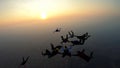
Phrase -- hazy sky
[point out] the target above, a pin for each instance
(24, 33)
(13, 10)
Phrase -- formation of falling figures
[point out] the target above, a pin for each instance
(66, 50)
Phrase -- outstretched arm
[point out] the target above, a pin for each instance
(69, 33)
(72, 32)
(52, 46)
(62, 37)
(27, 58)
(23, 59)
(67, 36)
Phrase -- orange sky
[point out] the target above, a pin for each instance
(15, 11)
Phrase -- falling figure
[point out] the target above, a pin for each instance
(24, 61)
(64, 40)
(76, 42)
(83, 38)
(66, 51)
(55, 51)
(83, 55)
(55, 48)
(58, 30)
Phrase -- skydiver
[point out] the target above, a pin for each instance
(83, 38)
(64, 40)
(55, 48)
(58, 30)
(76, 42)
(24, 61)
(55, 51)
(66, 51)
(83, 55)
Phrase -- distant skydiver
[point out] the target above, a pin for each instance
(24, 61)
(83, 55)
(58, 30)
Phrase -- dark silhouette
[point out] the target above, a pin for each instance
(50, 54)
(71, 34)
(24, 61)
(76, 42)
(55, 48)
(83, 55)
(64, 40)
(66, 52)
(58, 30)
(55, 51)
(83, 38)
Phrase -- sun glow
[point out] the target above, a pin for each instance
(43, 15)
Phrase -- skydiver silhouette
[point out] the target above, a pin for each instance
(84, 56)
(64, 40)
